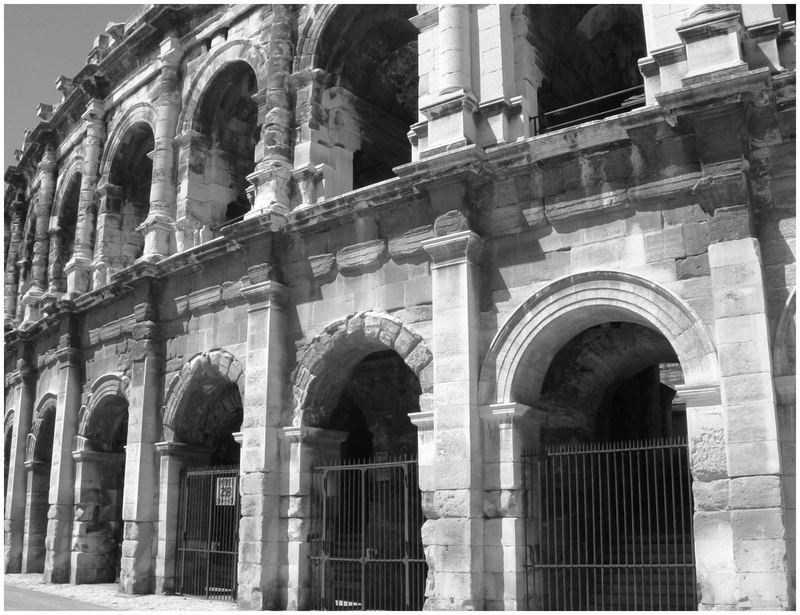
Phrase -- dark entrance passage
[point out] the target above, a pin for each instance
(208, 533)
(366, 547)
(609, 527)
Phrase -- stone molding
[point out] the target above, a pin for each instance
(98, 457)
(238, 436)
(506, 413)
(455, 249)
(39, 467)
(294, 434)
(360, 257)
(69, 357)
(181, 450)
(423, 421)
(700, 395)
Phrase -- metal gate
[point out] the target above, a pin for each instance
(609, 527)
(366, 545)
(208, 533)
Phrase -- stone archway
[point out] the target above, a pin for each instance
(38, 454)
(333, 377)
(321, 370)
(100, 480)
(516, 368)
(567, 306)
(202, 417)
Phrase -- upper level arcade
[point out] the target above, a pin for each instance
(266, 113)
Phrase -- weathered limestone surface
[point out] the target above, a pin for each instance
(304, 231)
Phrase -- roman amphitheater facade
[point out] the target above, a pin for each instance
(305, 305)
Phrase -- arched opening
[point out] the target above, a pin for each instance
(129, 180)
(204, 411)
(369, 55)
(588, 52)
(368, 510)
(65, 233)
(223, 156)
(610, 483)
(100, 477)
(38, 455)
(9, 436)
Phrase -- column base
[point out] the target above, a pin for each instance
(137, 568)
(58, 544)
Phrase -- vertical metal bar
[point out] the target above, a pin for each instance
(585, 605)
(683, 511)
(634, 533)
(562, 559)
(658, 533)
(362, 477)
(542, 510)
(592, 481)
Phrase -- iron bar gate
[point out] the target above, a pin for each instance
(609, 527)
(208, 533)
(366, 545)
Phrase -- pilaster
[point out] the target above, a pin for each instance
(24, 382)
(94, 543)
(259, 536)
(18, 208)
(453, 535)
(175, 457)
(59, 526)
(301, 449)
(507, 430)
(142, 496)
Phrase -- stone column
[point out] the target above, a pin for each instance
(192, 149)
(108, 244)
(175, 458)
(36, 511)
(94, 544)
(55, 267)
(78, 268)
(274, 151)
(47, 188)
(23, 379)
(141, 500)
(505, 437)
(301, 449)
(712, 522)
(453, 539)
(454, 48)
(259, 534)
(158, 226)
(749, 414)
(59, 525)
(18, 208)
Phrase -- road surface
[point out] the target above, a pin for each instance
(18, 599)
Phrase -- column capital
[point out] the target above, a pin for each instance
(423, 421)
(68, 356)
(312, 435)
(699, 395)
(454, 249)
(507, 413)
(98, 456)
(265, 294)
(95, 111)
(187, 452)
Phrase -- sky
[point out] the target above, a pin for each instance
(41, 42)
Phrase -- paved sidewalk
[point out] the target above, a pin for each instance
(106, 595)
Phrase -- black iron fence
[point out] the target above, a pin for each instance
(609, 527)
(588, 110)
(366, 546)
(208, 533)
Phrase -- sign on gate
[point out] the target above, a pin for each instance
(208, 533)
(226, 491)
